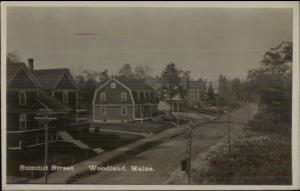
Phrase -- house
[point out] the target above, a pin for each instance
(60, 84)
(124, 100)
(197, 92)
(25, 99)
(177, 103)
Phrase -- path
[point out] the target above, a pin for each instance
(165, 158)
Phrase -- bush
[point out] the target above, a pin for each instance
(258, 160)
(263, 121)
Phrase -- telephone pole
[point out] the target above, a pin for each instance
(228, 130)
(45, 119)
(190, 157)
(189, 149)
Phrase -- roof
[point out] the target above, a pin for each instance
(43, 100)
(176, 97)
(197, 85)
(135, 84)
(49, 78)
(14, 68)
(52, 103)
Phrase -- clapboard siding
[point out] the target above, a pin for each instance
(113, 113)
(113, 96)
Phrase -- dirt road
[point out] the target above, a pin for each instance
(165, 158)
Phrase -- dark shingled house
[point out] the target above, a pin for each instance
(60, 84)
(25, 99)
(124, 100)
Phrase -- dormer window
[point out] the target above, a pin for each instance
(65, 97)
(123, 96)
(112, 85)
(22, 97)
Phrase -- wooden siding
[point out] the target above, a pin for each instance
(58, 94)
(13, 99)
(113, 113)
(113, 96)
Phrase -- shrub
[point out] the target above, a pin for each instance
(258, 160)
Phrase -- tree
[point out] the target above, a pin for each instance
(211, 94)
(88, 82)
(272, 84)
(126, 72)
(236, 88)
(142, 72)
(223, 86)
(13, 58)
(170, 83)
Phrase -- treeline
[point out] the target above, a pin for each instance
(271, 84)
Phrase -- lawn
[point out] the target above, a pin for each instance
(106, 141)
(145, 127)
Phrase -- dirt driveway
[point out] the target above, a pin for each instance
(165, 158)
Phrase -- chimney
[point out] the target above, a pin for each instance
(30, 64)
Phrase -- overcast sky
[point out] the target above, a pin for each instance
(208, 42)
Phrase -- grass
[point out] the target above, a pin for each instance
(106, 141)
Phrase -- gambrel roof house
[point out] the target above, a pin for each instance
(124, 100)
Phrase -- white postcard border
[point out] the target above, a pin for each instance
(232, 4)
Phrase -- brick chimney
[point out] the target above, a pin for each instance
(30, 64)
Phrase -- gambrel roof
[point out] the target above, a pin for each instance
(135, 84)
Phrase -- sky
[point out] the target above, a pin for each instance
(206, 41)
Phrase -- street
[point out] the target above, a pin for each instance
(166, 158)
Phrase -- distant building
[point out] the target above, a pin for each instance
(25, 98)
(197, 93)
(124, 100)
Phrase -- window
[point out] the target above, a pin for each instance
(102, 97)
(22, 97)
(123, 96)
(112, 85)
(103, 111)
(123, 111)
(65, 97)
(22, 121)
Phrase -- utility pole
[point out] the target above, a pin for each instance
(228, 130)
(45, 119)
(248, 103)
(248, 110)
(190, 157)
(190, 133)
(177, 114)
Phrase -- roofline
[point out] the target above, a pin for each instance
(31, 76)
(72, 80)
(126, 88)
(112, 79)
